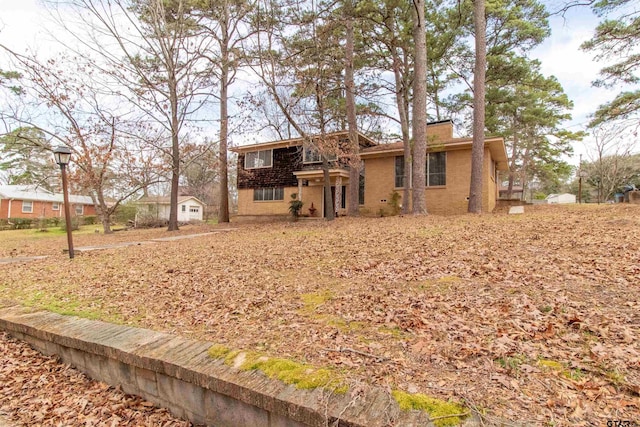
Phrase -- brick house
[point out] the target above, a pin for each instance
(269, 173)
(24, 201)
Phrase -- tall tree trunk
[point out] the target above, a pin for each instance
(512, 160)
(354, 147)
(175, 156)
(223, 210)
(477, 150)
(419, 108)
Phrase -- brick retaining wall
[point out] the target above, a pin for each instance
(176, 373)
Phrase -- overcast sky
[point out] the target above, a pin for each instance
(22, 25)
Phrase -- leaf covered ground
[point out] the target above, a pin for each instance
(531, 318)
(37, 390)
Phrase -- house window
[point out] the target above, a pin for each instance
(399, 172)
(184, 208)
(27, 206)
(312, 155)
(436, 169)
(258, 159)
(266, 194)
(435, 172)
(79, 209)
(55, 206)
(194, 209)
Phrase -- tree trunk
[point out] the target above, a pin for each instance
(477, 150)
(175, 157)
(353, 199)
(419, 108)
(223, 209)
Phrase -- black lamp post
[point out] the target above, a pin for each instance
(63, 156)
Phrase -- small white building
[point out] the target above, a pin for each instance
(190, 208)
(563, 198)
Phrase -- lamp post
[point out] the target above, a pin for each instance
(62, 156)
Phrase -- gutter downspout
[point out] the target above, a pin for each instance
(9, 211)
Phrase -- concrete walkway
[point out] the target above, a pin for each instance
(117, 245)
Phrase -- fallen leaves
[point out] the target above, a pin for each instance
(36, 390)
(462, 307)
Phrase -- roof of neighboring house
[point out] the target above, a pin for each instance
(165, 200)
(551, 196)
(37, 194)
(495, 145)
(364, 140)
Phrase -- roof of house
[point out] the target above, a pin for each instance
(495, 145)
(165, 200)
(38, 194)
(364, 141)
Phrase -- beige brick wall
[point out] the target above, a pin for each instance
(448, 200)
(311, 194)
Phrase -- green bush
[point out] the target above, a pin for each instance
(90, 220)
(22, 223)
(75, 224)
(125, 213)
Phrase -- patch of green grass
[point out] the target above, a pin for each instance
(551, 364)
(301, 375)
(615, 376)
(314, 300)
(511, 363)
(443, 413)
(395, 331)
(573, 374)
(67, 306)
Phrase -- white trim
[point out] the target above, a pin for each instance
(30, 206)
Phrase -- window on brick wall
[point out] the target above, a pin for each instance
(258, 159)
(55, 206)
(436, 170)
(79, 209)
(399, 172)
(27, 206)
(267, 194)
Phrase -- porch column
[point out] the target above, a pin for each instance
(300, 189)
(338, 201)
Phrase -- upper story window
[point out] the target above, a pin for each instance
(312, 155)
(27, 206)
(258, 159)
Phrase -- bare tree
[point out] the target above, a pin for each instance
(352, 124)
(226, 22)
(150, 48)
(77, 118)
(477, 148)
(419, 121)
(610, 167)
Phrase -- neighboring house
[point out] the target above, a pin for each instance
(269, 173)
(24, 201)
(158, 208)
(560, 198)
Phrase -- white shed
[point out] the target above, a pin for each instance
(190, 208)
(563, 198)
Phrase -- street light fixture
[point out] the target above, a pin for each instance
(62, 155)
